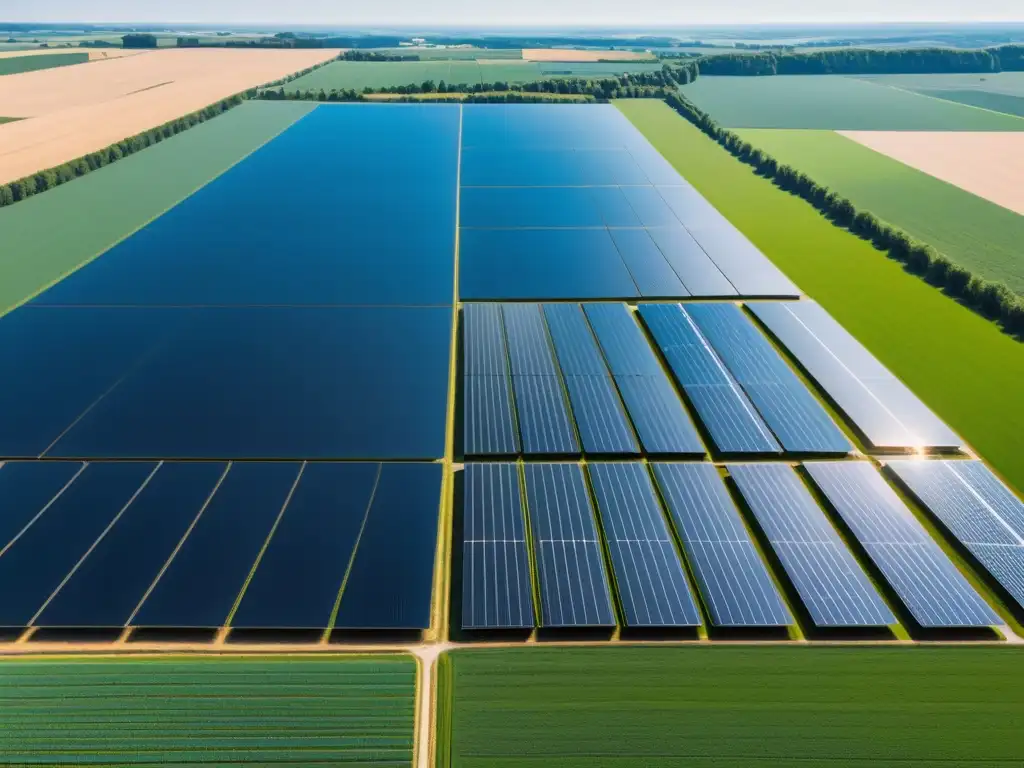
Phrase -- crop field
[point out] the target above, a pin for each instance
(735, 706)
(581, 55)
(19, 64)
(457, 54)
(989, 165)
(184, 711)
(997, 91)
(76, 110)
(916, 331)
(834, 103)
(106, 206)
(980, 235)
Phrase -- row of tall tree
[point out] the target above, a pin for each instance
(990, 298)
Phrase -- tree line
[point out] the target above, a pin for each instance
(987, 297)
(864, 61)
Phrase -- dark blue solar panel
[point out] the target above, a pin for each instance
(532, 264)
(829, 580)
(613, 207)
(206, 575)
(650, 207)
(483, 341)
(112, 580)
(651, 273)
(977, 509)
(212, 248)
(658, 415)
(878, 404)
(546, 126)
(697, 272)
(573, 582)
(489, 427)
(496, 591)
(26, 487)
(519, 167)
(655, 167)
(931, 587)
(298, 579)
(609, 166)
(495, 207)
(575, 346)
(599, 415)
(651, 583)
(624, 344)
(727, 413)
(735, 584)
(36, 563)
(392, 575)
(257, 383)
(544, 415)
(689, 205)
(790, 410)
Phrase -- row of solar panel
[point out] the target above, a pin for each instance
(734, 586)
(206, 544)
(595, 363)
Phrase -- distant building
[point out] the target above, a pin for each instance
(188, 42)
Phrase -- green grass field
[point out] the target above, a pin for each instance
(47, 236)
(16, 65)
(999, 102)
(175, 710)
(960, 364)
(834, 103)
(737, 706)
(1011, 83)
(455, 54)
(984, 237)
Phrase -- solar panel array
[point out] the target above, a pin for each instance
(878, 404)
(576, 204)
(276, 545)
(934, 592)
(980, 512)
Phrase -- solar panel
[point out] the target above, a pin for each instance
(920, 573)
(829, 580)
(35, 564)
(698, 273)
(573, 582)
(529, 348)
(496, 591)
(734, 582)
(879, 405)
(26, 487)
(612, 205)
(483, 335)
(514, 207)
(977, 509)
(489, 426)
(646, 264)
(114, 577)
(651, 583)
(299, 576)
(749, 271)
(787, 407)
(575, 346)
(392, 576)
(731, 419)
(625, 347)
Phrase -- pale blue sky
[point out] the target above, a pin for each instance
(510, 12)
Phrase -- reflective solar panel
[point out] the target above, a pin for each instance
(575, 346)
(734, 582)
(613, 207)
(787, 407)
(731, 419)
(624, 344)
(646, 264)
(829, 580)
(497, 207)
(483, 341)
(879, 405)
(652, 586)
(488, 425)
(977, 509)
(746, 268)
(544, 416)
(920, 573)
(496, 591)
(26, 487)
(696, 270)
(573, 581)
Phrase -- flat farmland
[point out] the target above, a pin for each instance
(660, 707)
(833, 102)
(989, 166)
(998, 91)
(178, 710)
(20, 64)
(77, 110)
(106, 206)
(960, 364)
(978, 234)
(579, 55)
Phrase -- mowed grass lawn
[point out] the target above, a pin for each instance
(46, 237)
(737, 706)
(960, 364)
(982, 236)
(834, 102)
(284, 710)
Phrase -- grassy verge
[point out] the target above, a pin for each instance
(960, 364)
(181, 710)
(737, 706)
(443, 689)
(107, 205)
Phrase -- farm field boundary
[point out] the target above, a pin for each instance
(709, 706)
(108, 205)
(975, 233)
(958, 362)
(14, 65)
